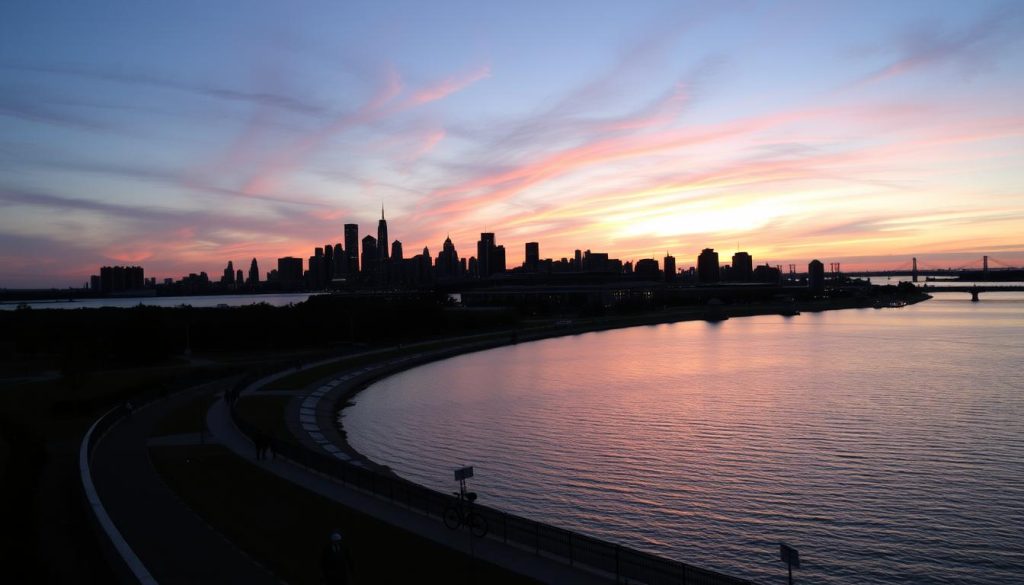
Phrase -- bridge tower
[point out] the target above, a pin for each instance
(984, 267)
(915, 270)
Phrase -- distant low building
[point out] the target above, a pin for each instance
(816, 276)
(117, 279)
(647, 269)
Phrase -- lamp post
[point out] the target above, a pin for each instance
(791, 557)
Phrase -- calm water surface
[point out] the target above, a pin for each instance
(277, 300)
(886, 445)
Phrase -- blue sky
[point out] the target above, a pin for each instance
(183, 135)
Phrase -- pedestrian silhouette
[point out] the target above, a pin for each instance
(335, 561)
(260, 441)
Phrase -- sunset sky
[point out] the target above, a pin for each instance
(180, 135)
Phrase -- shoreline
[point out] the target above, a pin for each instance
(344, 398)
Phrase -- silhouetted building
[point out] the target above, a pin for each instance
(351, 248)
(289, 271)
(328, 263)
(532, 256)
(670, 268)
(382, 237)
(490, 258)
(369, 259)
(768, 274)
(448, 264)
(498, 260)
(647, 269)
(254, 273)
(396, 251)
(742, 267)
(707, 266)
(316, 275)
(340, 264)
(425, 272)
(816, 276)
(596, 262)
(229, 274)
(239, 277)
(116, 279)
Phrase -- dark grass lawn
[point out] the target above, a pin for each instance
(303, 378)
(285, 526)
(187, 418)
(267, 413)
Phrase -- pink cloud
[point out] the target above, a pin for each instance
(380, 106)
(448, 86)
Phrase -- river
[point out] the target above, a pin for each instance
(887, 445)
(274, 299)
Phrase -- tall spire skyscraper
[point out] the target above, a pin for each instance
(382, 236)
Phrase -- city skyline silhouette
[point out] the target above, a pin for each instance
(788, 131)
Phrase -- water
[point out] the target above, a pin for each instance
(887, 445)
(928, 284)
(277, 300)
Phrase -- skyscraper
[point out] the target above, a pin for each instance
(254, 273)
(742, 267)
(369, 254)
(229, 274)
(707, 266)
(382, 237)
(289, 271)
(448, 265)
(328, 263)
(340, 263)
(352, 248)
(484, 251)
(532, 256)
(396, 251)
(670, 268)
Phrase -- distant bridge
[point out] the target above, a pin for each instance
(975, 290)
(977, 271)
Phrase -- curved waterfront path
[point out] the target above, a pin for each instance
(173, 542)
(177, 546)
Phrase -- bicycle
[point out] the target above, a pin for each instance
(461, 513)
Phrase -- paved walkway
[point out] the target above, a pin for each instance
(507, 556)
(174, 543)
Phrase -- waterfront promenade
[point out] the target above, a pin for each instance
(178, 545)
(305, 415)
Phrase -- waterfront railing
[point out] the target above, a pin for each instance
(622, 563)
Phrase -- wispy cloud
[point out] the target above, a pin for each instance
(384, 103)
(260, 98)
(448, 86)
(970, 46)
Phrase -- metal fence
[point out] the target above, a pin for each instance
(620, 562)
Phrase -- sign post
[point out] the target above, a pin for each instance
(791, 557)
